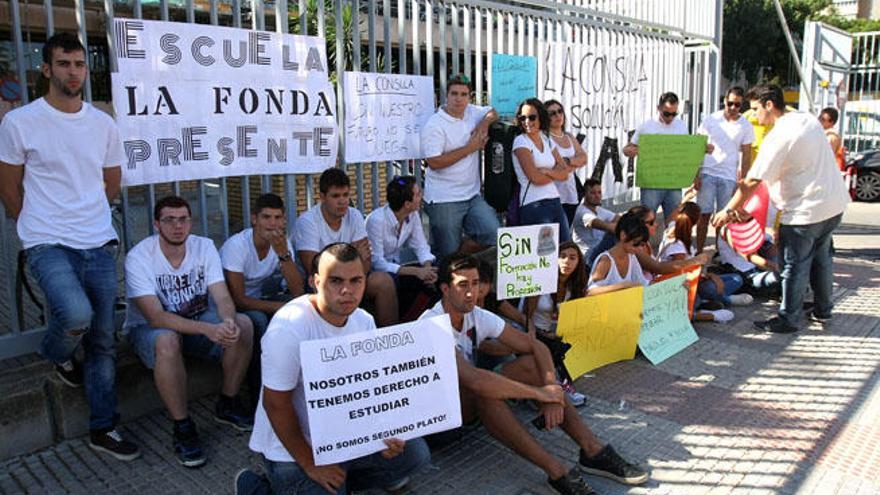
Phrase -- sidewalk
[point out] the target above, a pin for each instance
(737, 412)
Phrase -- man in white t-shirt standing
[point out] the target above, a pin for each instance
(59, 165)
(451, 140)
(332, 221)
(459, 281)
(281, 430)
(592, 222)
(664, 123)
(730, 134)
(179, 304)
(805, 185)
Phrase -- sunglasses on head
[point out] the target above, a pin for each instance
(669, 114)
(532, 117)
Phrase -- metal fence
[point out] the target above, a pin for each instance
(606, 60)
(861, 119)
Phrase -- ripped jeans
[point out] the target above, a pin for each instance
(80, 289)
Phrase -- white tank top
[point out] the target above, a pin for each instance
(567, 188)
(633, 274)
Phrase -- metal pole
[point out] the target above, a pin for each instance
(805, 82)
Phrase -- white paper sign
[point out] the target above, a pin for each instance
(194, 101)
(527, 260)
(394, 382)
(384, 115)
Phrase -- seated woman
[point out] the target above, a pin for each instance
(618, 268)
(543, 311)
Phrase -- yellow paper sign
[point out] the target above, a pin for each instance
(601, 329)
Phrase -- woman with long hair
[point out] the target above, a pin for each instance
(571, 152)
(618, 268)
(538, 165)
(543, 311)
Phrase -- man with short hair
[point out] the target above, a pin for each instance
(459, 283)
(664, 123)
(397, 226)
(730, 134)
(332, 221)
(798, 166)
(592, 223)
(451, 140)
(281, 431)
(59, 165)
(179, 304)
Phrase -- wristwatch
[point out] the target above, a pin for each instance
(284, 257)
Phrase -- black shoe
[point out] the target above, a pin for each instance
(775, 325)
(231, 411)
(71, 373)
(819, 319)
(187, 445)
(571, 484)
(609, 464)
(111, 442)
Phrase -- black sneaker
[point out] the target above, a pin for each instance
(609, 464)
(819, 319)
(231, 411)
(70, 372)
(775, 325)
(187, 445)
(111, 442)
(571, 484)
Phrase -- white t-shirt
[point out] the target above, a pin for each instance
(728, 138)
(296, 322)
(800, 171)
(582, 232)
(386, 242)
(182, 290)
(239, 255)
(670, 247)
(529, 193)
(477, 326)
(732, 258)
(64, 156)
(544, 318)
(654, 126)
(312, 232)
(567, 188)
(443, 133)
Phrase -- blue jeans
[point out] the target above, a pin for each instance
(668, 198)
(372, 471)
(714, 193)
(475, 217)
(546, 211)
(80, 290)
(707, 291)
(143, 340)
(806, 255)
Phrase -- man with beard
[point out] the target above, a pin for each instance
(179, 303)
(59, 167)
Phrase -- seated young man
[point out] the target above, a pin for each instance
(255, 262)
(332, 221)
(396, 226)
(459, 284)
(281, 430)
(178, 304)
(592, 223)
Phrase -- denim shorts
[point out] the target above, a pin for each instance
(142, 339)
(714, 193)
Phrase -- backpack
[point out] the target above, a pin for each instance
(499, 179)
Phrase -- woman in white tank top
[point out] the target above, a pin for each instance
(618, 268)
(571, 152)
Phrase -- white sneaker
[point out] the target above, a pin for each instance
(741, 300)
(722, 315)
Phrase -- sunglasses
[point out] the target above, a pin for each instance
(554, 113)
(732, 104)
(531, 117)
(669, 115)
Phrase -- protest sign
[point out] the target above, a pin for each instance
(514, 78)
(395, 382)
(601, 329)
(666, 327)
(693, 279)
(527, 261)
(669, 161)
(194, 101)
(384, 115)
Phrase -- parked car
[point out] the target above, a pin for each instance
(866, 170)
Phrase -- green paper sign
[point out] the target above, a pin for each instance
(669, 161)
(666, 328)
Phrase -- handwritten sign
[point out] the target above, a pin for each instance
(514, 78)
(527, 260)
(669, 161)
(384, 115)
(601, 329)
(194, 101)
(693, 279)
(666, 328)
(395, 382)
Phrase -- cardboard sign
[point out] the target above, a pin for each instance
(194, 101)
(395, 382)
(669, 161)
(602, 329)
(527, 260)
(693, 279)
(666, 328)
(514, 78)
(384, 115)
